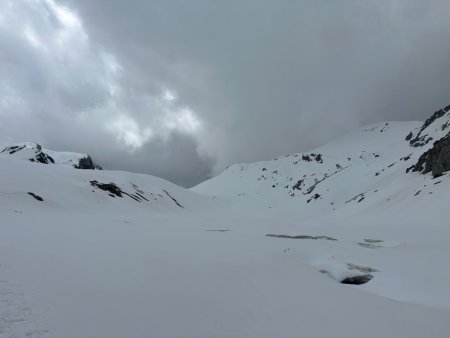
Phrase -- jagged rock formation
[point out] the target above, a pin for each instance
(422, 138)
(87, 163)
(436, 160)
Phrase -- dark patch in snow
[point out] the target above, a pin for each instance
(37, 197)
(357, 280)
(409, 136)
(114, 191)
(406, 158)
(109, 187)
(315, 197)
(13, 149)
(359, 198)
(302, 237)
(298, 185)
(317, 157)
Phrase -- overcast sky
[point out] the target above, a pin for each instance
(181, 89)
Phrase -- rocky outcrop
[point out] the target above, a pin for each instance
(422, 138)
(43, 158)
(111, 188)
(87, 163)
(436, 160)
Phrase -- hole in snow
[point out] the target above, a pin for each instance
(357, 280)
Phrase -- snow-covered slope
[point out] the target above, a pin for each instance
(33, 152)
(363, 188)
(90, 253)
(361, 170)
(337, 175)
(62, 188)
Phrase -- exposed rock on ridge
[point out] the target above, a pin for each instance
(436, 160)
(87, 163)
(34, 152)
(422, 138)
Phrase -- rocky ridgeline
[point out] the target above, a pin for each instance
(436, 159)
(35, 153)
(423, 137)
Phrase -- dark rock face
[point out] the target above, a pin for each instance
(422, 139)
(87, 163)
(42, 158)
(436, 160)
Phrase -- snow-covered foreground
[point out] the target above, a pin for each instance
(81, 257)
(118, 269)
(125, 275)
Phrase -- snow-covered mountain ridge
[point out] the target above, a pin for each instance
(61, 188)
(34, 152)
(371, 165)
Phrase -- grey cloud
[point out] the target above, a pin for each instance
(284, 67)
(62, 89)
(175, 159)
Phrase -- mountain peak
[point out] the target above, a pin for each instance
(34, 152)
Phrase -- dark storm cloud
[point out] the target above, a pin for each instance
(165, 86)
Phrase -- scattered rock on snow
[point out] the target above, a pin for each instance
(113, 189)
(37, 197)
